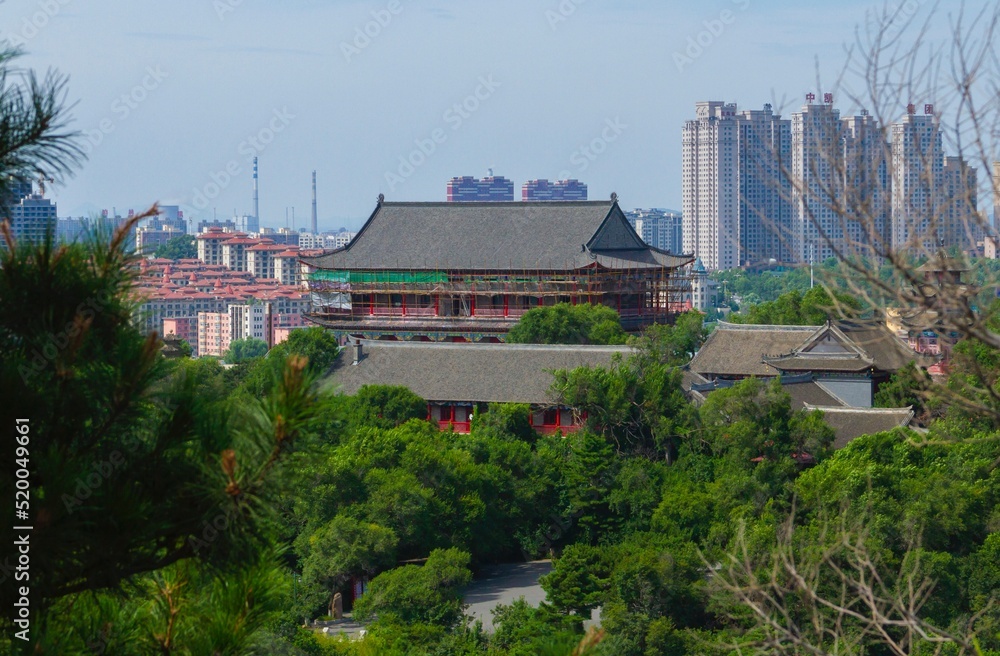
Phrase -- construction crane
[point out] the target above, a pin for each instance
(41, 184)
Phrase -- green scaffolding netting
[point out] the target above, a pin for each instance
(391, 277)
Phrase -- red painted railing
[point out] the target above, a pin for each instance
(456, 426)
(489, 312)
(421, 312)
(565, 430)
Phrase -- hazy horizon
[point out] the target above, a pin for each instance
(175, 99)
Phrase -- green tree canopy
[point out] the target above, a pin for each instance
(345, 547)
(181, 247)
(244, 350)
(674, 344)
(636, 403)
(430, 593)
(317, 345)
(754, 420)
(564, 323)
(387, 406)
(135, 464)
(813, 308)
(579, 580)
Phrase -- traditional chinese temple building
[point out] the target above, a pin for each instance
(468, 271)
(461, 380)
(947, 304)
(845, 361)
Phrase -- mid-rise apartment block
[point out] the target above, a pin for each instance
(261, 256)
(32, 219)
(147, 240)
(69, 230)
(210, 245)
(489, 189)
(561, 190)
(663, 229)
(214, 334)
(227, 225)
(287, 267)
(185, 288)
(285, 236)
(234, 252)
(216, 331)
(326, 241)
(249, 320)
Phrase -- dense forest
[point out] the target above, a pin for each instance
(186, 508)
(744, 289)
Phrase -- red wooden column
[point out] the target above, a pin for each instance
(506, 306)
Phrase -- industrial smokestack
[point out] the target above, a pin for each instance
(315, 229)
(256, 197)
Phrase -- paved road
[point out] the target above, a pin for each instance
(504, 584)
(332, 627)
(497, 584)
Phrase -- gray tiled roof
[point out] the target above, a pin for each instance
(803, 389)
(849, 423)
(888, 351)
(810, 394)
(803, 362)
(485, 373)
(554, 236)
(739, 350)
(761, 350)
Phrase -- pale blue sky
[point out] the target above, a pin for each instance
(219, 71)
